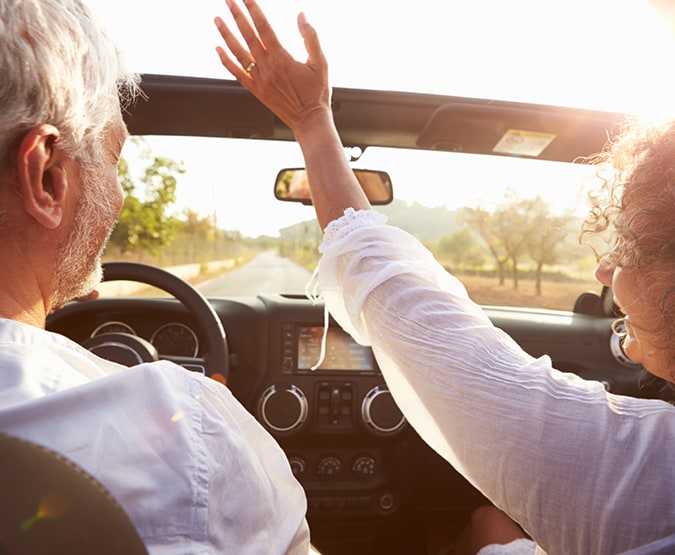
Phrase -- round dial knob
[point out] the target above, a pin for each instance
(284, 408)
(328, 467)
(363, 467)
(380, 413)
(298, 466)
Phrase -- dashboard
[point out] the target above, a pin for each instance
(346, 440)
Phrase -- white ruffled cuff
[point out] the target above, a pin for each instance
(350, 221)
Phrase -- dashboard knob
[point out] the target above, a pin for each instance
(364, 467)
(298, 466)
(283, 408)
(380, 413)
(329, 467)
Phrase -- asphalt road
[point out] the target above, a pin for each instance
(266, 273)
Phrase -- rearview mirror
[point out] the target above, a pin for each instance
(292, 186)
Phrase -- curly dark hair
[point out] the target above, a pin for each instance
(636, 204)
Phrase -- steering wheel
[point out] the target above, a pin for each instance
(129, 349)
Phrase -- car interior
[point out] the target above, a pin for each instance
(373, 486)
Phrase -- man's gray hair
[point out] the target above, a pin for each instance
(58, 66)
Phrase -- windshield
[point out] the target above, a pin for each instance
(214, 218)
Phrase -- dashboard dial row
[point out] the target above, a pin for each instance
(172, 339)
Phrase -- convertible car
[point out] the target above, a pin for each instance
(470, 177)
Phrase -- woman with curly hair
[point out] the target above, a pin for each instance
(637, 202)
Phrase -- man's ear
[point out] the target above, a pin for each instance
(42, 175)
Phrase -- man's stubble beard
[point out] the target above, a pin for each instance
(78, 269)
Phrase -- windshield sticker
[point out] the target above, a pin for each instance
(523, 143)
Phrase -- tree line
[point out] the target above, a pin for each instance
(521, 236)
(150, 230)
(518, 230)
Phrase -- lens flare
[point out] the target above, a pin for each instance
(53, 505)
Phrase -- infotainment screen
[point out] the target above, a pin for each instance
(342, 352)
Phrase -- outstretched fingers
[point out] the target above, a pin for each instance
(240, 58)
(316, 58)
(266, 38)
(259, 36)
(247, 31)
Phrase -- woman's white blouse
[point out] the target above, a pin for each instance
(582, 470)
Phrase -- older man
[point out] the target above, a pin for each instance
(212, 481)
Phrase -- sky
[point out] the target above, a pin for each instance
(592, 53)
(605, 54)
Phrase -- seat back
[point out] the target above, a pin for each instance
(49, 505)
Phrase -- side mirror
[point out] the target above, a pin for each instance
(292, 186)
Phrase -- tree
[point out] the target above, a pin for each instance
(145, 224)
(196, 238)
(544, 246)
(513, 224)
(484, 224)
(510, 231)
(460, 249)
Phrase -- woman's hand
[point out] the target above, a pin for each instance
(296, 92)
(299, 94)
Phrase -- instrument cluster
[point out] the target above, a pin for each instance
(170, 339)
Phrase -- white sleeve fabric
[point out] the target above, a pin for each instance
(195, 472)
(583, 471)
(521, 546)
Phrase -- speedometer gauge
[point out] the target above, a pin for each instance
(175, 339)
(113, 327)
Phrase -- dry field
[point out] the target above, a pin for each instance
(555, 295)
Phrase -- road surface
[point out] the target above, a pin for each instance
(266, 273)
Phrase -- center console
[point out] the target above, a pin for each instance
(327, 404)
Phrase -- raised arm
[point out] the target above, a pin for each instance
(298, 93)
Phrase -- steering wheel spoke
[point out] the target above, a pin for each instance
(194, 364)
